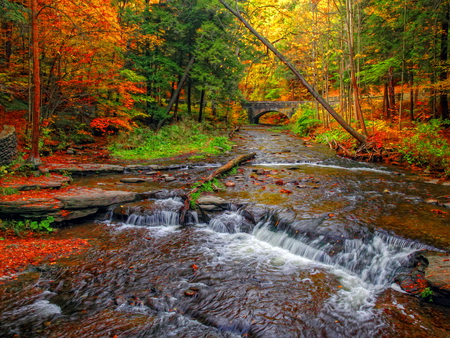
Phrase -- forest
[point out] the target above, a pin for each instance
(73, 70)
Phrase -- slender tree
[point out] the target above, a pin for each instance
(360, 138)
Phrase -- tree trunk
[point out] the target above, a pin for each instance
(36, 103)
(202, 103)
(355, 87)
(411, 96)
(177, 92)
(360, 138)
(386, 110)
(391, 93)
(443, 98)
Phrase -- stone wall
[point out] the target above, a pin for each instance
(8, 145)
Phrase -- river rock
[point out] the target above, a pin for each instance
(84, 168)
(211, 203)
(132, 180)
(81, 198)
(30, 206)
(64, 205)
(169, 179)
(437, 274)
(43, 182)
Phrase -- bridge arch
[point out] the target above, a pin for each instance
(256, 109)
(261, 114)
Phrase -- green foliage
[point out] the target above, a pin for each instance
(426, 147)
(27, 225)
(305, 121)
(427, 294)
(335, 135)
(169, 141)
(8, 191)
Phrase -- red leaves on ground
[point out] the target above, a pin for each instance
(285, 191)
(279, 182)
(17, 253)
(24, 195)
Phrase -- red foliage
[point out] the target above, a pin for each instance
(18, 253)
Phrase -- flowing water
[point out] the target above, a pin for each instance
(308, 246)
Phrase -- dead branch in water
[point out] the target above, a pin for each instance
(222, 170)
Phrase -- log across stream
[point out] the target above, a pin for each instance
(303, 244)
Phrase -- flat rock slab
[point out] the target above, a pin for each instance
(81, 198)
(63, 204)
(132, 180)
(437, 272)
(83, 168)
(52, 181)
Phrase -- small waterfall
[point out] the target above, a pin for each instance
(154, 219)
(376, 258)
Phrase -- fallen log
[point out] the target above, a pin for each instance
(222, 170)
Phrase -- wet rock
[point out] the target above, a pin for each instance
(429, 278)
(66, 215)
(151, 173)
(132, 180)
(437, 274)
(170, 179)
(84, 168)
(190, 293)
(229, 184)
(81, 198)
(43, 182)
(30, 206)
(431, 201)
(212, 203)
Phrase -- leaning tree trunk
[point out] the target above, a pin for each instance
(320, 99)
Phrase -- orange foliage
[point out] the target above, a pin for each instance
(110, 124)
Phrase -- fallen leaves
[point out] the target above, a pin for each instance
(17, 253)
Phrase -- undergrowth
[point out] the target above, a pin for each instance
(170, 141)
(27, 226)
(424, 146)
(304, 121)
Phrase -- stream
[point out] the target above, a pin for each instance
(309, 246)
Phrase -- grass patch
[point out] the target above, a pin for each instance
(170, 141)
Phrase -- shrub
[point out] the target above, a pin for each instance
(305, 121)
(426, 147)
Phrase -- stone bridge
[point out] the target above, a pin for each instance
(256, 109)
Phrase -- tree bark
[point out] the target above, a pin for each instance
(202, 103)
(360, 138)
(177, 92)
(36, 103)
(355, 87)
(443, 98)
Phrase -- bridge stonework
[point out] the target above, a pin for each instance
(256, 109)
